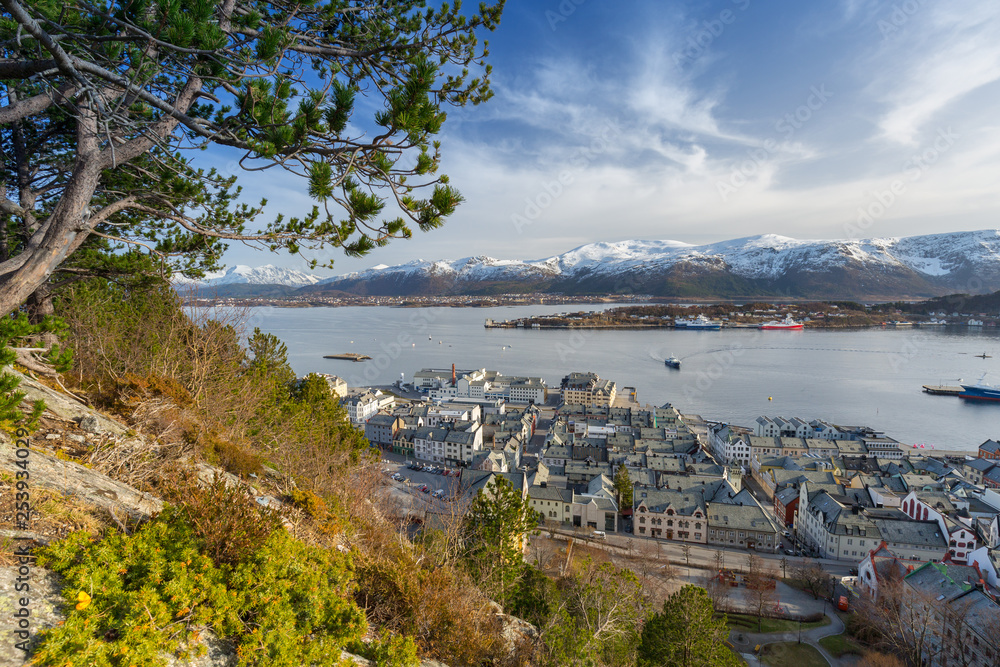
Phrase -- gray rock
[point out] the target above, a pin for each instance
(91, 424)
(76, 437)
(44, 606)
(73, 479)
(60, 405)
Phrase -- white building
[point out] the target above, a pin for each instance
(729, 447)
(933, 507)
(528, 390)
(363, 406)
(449, 446)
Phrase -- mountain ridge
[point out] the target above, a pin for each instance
(763, 265)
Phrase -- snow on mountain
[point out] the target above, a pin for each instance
(468, 268)
(261, 275)
(916, 265)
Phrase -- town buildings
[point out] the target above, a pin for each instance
(366, 404)
(587, 389)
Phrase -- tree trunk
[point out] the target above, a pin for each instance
(40, 306)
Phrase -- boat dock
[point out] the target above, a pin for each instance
(350, 356)
(942, 390)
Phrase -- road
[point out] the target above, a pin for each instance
(700, 556)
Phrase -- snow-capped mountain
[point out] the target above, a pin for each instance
(245, 281)
(768, 265)
(245, 275)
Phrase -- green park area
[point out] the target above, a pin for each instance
(748, 623)
(791, 653)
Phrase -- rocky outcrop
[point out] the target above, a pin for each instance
(72, 479)
(64, 407)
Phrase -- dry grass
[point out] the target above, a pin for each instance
(53, 516)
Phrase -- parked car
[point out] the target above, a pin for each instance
(599, 535)
(789, 552)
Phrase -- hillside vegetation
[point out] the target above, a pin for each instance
(332, 565)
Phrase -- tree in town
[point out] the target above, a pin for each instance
(104, 104)
(654, 575)
(598, 617)
(760, 594)
(686, 634)
(814, 578)
(623, 488)
(718, 590)
(873, 659)
(916, 624)
(495, 527)
(686, 550)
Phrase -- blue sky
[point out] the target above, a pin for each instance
(703, 121)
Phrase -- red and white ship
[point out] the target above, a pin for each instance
(787, 324)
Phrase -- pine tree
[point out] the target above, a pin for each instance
(686, 634)
(495, 527)
(106, 102)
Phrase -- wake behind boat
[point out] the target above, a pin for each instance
(786, 324)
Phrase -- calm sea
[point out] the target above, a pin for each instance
(869, 377)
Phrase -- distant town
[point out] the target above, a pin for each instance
(651, 312)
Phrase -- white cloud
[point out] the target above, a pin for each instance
(931, 59)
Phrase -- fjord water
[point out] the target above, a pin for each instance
(869, 377)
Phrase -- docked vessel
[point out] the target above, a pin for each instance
(700, 322)
(672, 362)
(981, 391)
(788, 324)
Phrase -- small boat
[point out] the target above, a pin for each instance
(984, 356)
(786, 324)
(981, 391)
(672, 362)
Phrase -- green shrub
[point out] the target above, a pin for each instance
(227, 520)
(388, 651)
(286, 604)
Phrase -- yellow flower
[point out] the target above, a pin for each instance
(82, 601)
